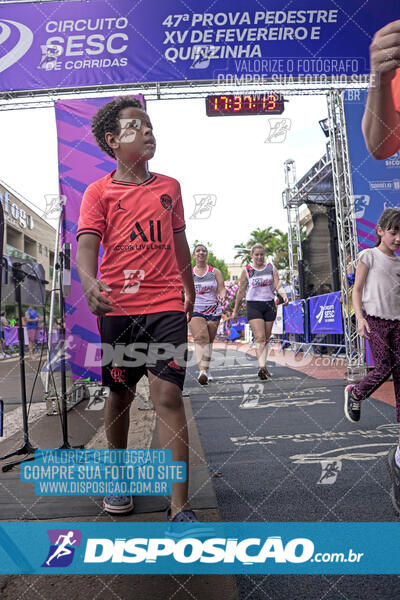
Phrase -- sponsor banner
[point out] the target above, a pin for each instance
(51, 46)
(80, 162)
(103, 472)
(11, 336)
(293, 317)
(277, 327)
(214, 548)
(326, 313)
(376, 183)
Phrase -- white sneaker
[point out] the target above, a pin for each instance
(210, 377)
(203, 378)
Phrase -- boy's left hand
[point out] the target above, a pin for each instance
(188, 307)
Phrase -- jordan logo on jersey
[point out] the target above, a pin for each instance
(119, 207)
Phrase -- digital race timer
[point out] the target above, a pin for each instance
(244, 104)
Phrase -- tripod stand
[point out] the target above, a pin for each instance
(64, 266)
(27, 448)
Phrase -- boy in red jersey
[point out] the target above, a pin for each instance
(138, 217)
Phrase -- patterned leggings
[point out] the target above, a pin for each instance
(385, 346)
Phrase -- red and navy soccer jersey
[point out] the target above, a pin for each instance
(136, 224)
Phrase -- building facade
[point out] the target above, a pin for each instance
(27, 235)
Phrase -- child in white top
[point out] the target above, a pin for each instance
(376, 300)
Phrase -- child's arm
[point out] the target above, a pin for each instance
(184, 263)
(361, 276)
(240, 294)
(86, 263)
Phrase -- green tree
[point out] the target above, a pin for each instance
(243, 253)
(218, 263)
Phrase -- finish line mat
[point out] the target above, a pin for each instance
(285, 452)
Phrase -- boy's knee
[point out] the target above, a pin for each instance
(170, 402)
(121, 398)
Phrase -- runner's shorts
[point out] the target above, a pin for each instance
(261, 310)
(207, 317)
(133, 344)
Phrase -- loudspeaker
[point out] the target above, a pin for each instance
(66, 272)
(32, 287)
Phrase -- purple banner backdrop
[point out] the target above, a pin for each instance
(11, 336)
(53, 45)
(326, 313)
(80, 163)
(293, 317)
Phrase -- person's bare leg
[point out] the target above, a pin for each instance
(268, 330)
(212, 327)
(172, 432)
(116, 418)
(258, 329)
(199, 330)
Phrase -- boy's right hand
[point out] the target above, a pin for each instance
(385, 53)
(98, 303)
(363, 327)
(234, 317)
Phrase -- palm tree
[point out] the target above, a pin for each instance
(274, 241)
(243, 252)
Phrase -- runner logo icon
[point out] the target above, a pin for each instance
(133, 278)
(22, 46)
(62, 547)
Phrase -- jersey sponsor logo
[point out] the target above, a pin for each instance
(152, 231)
(118, 374)
(204, 289)
(261, 282)
(166, 201)
(133, 277)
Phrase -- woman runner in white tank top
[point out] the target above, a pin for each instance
(209, 284)
(259, 283)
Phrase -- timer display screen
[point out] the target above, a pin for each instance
(244, 104)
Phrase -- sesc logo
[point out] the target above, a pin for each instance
(21, 47)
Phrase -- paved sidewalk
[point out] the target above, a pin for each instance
(116, 587)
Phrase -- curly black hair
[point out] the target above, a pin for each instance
(106, 120)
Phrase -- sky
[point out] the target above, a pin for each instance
(229, 159)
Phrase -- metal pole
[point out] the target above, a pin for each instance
(346, 228)
(52, 301)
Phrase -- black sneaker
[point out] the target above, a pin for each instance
(394, 473)
(263, 373)
(352, 407)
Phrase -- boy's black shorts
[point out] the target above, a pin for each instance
(157, 342)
